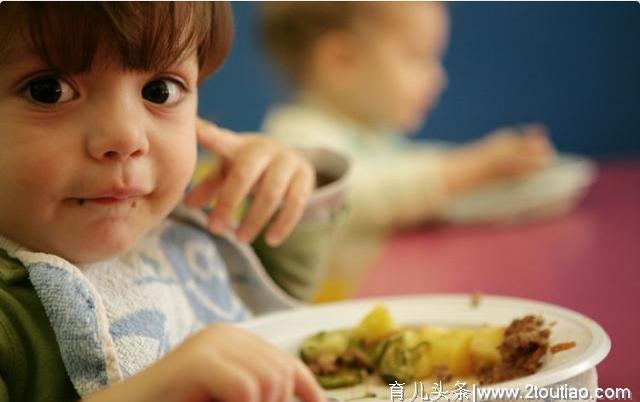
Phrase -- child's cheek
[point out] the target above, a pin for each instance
(176, 165)
(39, 173)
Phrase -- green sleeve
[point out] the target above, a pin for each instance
(299, 265)
(31, 367)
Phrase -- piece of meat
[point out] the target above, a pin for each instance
(522, 352)
(324, 364)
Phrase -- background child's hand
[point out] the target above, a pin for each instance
(517, 151)
(220, 363)
(507, 153)
(280, 176)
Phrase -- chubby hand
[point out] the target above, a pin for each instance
(221, 363)
(281, 179)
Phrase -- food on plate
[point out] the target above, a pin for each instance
(559, 347)
(522, 350)
(380, 347)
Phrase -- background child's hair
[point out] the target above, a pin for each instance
(291, 29)
(145, 35)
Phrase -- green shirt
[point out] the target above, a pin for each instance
(31, 367)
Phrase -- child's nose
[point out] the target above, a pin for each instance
(118, 134)
(119, 139)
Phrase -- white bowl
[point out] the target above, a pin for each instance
(287, 329)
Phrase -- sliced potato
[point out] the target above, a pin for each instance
(431, 332)
(484, 344)
(452, 350)
(376, 325)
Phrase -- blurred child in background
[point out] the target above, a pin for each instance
(365, 75)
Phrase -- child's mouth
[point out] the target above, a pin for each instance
(104, 200)
(113, 197)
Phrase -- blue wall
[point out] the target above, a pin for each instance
(573, 66)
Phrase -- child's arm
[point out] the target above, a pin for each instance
(411, 187)
(221, 363)
(281, 177)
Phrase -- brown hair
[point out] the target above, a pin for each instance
(291, 29)
(145, 35)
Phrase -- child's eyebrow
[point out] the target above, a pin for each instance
(21, 67)
(21, 59)
(24, 65)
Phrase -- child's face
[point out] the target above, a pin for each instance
(398, 66)
(90, 162)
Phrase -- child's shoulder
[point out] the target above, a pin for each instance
(12, 271)
(300, 123)
(31, 367)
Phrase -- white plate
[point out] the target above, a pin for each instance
(287, 329)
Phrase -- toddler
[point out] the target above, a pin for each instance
(366, 73)
(108, 290)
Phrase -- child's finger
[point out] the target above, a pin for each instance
(238, 183)
(306, 386)
(268, 376)
(273, 367)
(271, 191)
(290, 389)
(230, 382)
(216, 139)
(292, 207)
(202, 193)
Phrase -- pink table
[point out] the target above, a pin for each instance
(588, 261)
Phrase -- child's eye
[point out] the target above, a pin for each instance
(163, 91)
(49, 90)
